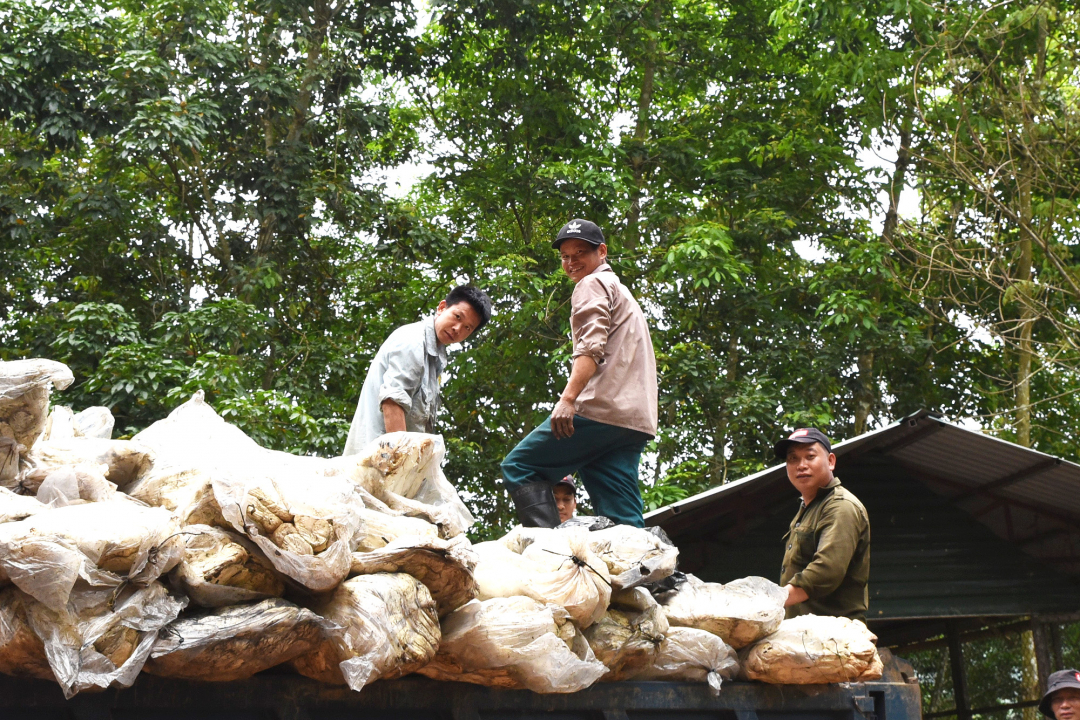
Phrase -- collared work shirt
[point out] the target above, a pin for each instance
(608, 326)
(827, 554)
(407, 369)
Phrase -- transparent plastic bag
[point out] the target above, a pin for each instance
(399, 462)
(60, 424)
(15, 507)
(378, 529)
(103, 543)
(740, 613)
(815, 649)
(24, 397)
(627, 641)
(389, 628)
(126, 460)
(94, 422)
(633, 556)
(76, 484)
(549, 565)
(444, 566)
(102, 636)
(235, 642)
(514, 643)
(10, 454)
(22, 653)
(220, 568)
(692, 655)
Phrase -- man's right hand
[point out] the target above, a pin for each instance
(562, 420)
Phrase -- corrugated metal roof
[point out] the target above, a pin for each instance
(1024, 496)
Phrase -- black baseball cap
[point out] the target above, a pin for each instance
(1058, 680)
(803, 436)
(578, 229)
(568, 480)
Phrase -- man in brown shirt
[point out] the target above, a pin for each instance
(608, 411)
(827, 555)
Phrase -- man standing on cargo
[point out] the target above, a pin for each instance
(608, 411)
(401, 390)
(827, 555)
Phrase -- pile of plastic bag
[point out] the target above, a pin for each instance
(190, 551)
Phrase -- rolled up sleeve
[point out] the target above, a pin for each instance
(404, 373)
(835, 547)
(590, 320)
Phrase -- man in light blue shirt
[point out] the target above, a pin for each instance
(401, 390)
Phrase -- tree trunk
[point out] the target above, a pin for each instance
(1029, 672)
(720, 432)
(639, 153)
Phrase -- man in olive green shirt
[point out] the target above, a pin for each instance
(827, 555)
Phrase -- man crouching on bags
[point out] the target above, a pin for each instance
(608, 411)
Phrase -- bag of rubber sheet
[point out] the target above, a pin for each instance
(388, 627)
(125, 461)
(22, 653)
(815, 649)
(444, 566)
(103, 635)
(403, 470)
(514, 643)
(76, 485)
(378, 529)
(233, 643)
(633, 556)
(24, 398)
(740, 612)
(692, 655)
(190, 446)
(628, 638)
(221, 568)
(103, 543)
(548, 565)
(64, 424)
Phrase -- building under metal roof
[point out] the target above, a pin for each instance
(963, 526)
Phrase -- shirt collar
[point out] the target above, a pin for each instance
(823, 492)
(432, 346)
(604, 267)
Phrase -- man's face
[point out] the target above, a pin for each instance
(810, 468)
(565, 500)
(580, 258)
(1065, 704)
(454, 323)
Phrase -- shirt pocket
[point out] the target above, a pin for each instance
(803, 546)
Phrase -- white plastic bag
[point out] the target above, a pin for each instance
(444, 566)
(102, 636)
(692, 655)
(627, 641)
(94, 422)
(633, 555)
(15, 507)
(76, 484)
(126, 460)
(514, 643)
(389, 629)
(103, 543)
(399, 462)
(815, 649)
(220, 568)
(378, 529)
(22, 653)
(24, 397)
(233, 643)
(740, 613)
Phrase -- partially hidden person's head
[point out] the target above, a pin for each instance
(465, 310)
(582, 248)
(565, 492)
(810, 460)
(1062, 698)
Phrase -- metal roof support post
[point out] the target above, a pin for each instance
(1047, 651)
(959, 671)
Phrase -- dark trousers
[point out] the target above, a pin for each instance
(606, 458)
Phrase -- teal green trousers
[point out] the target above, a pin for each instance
(605, 457)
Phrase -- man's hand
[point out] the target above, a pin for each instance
(562, 419)
(795, 595)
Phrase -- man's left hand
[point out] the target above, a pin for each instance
(562, 420)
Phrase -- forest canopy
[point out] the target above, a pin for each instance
(834, 214)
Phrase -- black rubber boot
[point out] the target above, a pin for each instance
(536, 505)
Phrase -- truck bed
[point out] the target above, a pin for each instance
(271, 696)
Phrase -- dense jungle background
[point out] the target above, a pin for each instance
(835, 214)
